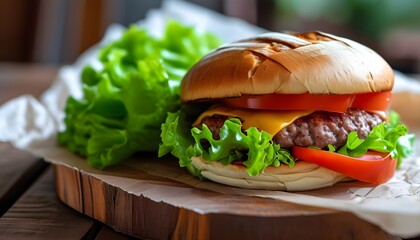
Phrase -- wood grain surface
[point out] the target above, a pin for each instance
(29, 207)
(39, 201)
(18, 171)
(260, 218)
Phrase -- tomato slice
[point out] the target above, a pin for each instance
(373, 167)
(306, 101)
(372, 101)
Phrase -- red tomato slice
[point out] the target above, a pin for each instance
(372, 101)
(333, 103)
(373, 167)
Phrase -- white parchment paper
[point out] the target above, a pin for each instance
(31, 125)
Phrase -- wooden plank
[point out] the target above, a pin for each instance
(38, 214)
(18, 170)
(238, 217)
(118, 209)
(10, 171)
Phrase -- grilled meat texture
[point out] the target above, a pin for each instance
(317, 129)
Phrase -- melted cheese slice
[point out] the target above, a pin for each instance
(267, 120)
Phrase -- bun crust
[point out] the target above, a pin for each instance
(311, 62)
(303, 176)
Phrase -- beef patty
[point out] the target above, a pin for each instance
(317, 129)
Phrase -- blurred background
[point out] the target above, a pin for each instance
(57, 31)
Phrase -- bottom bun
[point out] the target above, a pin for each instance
(303, 176)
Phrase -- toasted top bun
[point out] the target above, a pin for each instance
(311, 62)
(303, 176)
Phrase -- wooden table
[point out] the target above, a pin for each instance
(30, 209)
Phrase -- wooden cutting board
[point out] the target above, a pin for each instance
(106, 196)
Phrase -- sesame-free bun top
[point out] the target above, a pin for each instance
(280, 63)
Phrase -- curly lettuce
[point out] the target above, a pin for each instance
(125, 102)
(256, 148)
(391, 137)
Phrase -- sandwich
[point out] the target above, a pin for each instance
(288, 111)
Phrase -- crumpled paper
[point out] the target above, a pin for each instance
(31, 125)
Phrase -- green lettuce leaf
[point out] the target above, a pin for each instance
(254, 147)
(389, 137)
(125, 102)
(177, 140)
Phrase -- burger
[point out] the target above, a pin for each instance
(288, 111)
